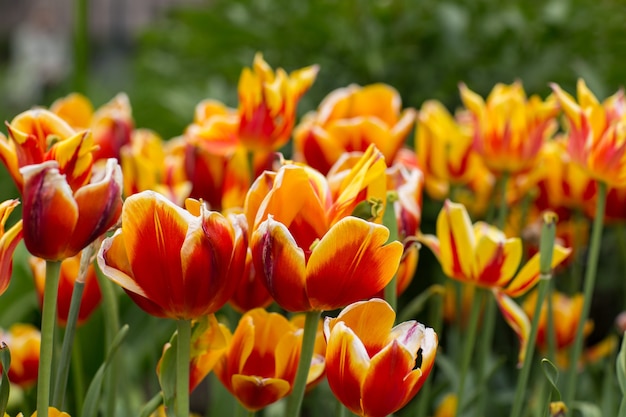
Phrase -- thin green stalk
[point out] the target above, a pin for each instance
(183, 356)
(468, 348)
(589, 285)
(294, 402)
(63, 368)
(390, 221)
(340, 410)
(78, 379)
(546, 248)
(151, 406)
(484, 352)
(551, 329)
(251, 413)
(112, 326)
(48, 323)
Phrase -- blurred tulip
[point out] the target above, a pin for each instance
(23, 341)
(351, 119)
(8, 242)
(68, 276)
(482, 255)
(59, 221)
(260, 363)
(112, 124)
(267, 103)
(38, 135)
(308, 247)
(372, 368)
(596, 133)
(173, 262)
(447, 406)
(52, 412)
(508, 127)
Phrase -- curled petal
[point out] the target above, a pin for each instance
(528, 276)
(350, 263)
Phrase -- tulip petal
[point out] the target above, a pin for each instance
(528, 276)
(287, 355)
(281, 265)
(350, 263)
(517, 319)
(8, 243)
(456, 240)
(347, 364)
(255, 393)
(113, 262)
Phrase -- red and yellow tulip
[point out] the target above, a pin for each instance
(482, 255)
(173, 262)
(260, 363)
(60, 221)
(508, 127)
(372, 367)
(68, 276)
(8, 242)
(267, 103)
(23, 341)
(308, 247)
(351, 119)
(597, 133)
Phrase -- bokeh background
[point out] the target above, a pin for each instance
(167, 55)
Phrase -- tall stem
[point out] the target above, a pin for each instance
(48, 323)
(468, 348)
(182, 367)
(306, 354)
(390, 221)
(589, 284)
(546, 248)
(112, 326)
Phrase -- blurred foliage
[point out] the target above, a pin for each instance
(422, 48)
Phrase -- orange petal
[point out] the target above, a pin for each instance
(281, 265)
(113, 262)
(347, 364)
(287, 355)
(456, 240)
(350, 263)
(8, 243)
(528, 276)
(255, 393)
(50, 211)
(517, 319)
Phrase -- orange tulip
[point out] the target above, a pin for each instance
(38, 135)
(52, 412)
(58, 221)
(23, 341)
(251, 292)
(112, 124)
(308, 247)
(508, 127)
(351, 119)
(372, 368)
(267, 103)
(482, 255)
(597, 133)
(68, 276)
(173, 262)
(8, 242)
(260, 363)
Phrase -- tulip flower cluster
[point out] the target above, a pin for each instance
(282, 272)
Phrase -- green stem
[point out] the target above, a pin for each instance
(306, 354)
(550, 322)
(78, 381)
(182, 367)
(484, 351)
(251, 413)
(340, 410)
(468, 349)
(48, 322)
(112, 325)
(151, 406)
(546, 249)
(589, 284)
(63, 368)
(390, 221)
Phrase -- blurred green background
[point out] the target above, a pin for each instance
(169, 55)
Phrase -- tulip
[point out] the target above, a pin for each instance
(260, 363)
(308, 247)
(173, 262)
(52, 412)
(267, 103)
(372, 368)
(38, 135)
(23, 341)
(482, 255)
(596, 133)
(351, 119)
(59, 221)
(69, 273)
(8, 242)
(509, 128)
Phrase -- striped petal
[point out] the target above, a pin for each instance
(528, 276)
(456, 240)
(8, 242)
(497, 258)
(347, 364)
(281, 265)
(350, 263)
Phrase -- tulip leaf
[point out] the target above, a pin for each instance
(587, 409)
(167, 374)
(5, 385)
(621, 366)
(552, 375)
(415, 306)
(90, 406)
(368, 209)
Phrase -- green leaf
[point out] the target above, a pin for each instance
(417, 304)
(552, 375)
(167, 374)
(621, 366)
(587, 409)
(5, 384)
(90, 406)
